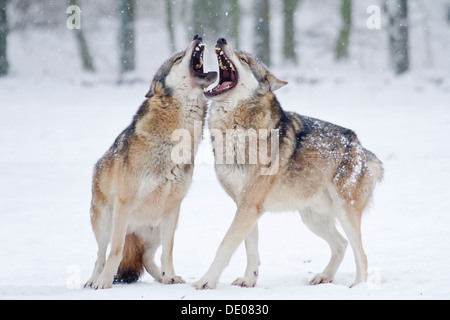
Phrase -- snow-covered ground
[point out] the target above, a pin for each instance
(56, 122)
(52, 134)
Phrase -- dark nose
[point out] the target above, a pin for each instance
(222, 41)
(197, 37)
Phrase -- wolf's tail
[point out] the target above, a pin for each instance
(375, 166)
(132, 266)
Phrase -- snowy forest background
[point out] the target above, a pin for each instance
(392, 36)
(378, 67)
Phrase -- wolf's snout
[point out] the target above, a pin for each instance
(197, 37)
(222, 41)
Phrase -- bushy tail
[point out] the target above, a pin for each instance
(375, 166)
(131, 267)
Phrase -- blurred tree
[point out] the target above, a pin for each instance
(86, 57)
(126, 37)
(397, 12)
(341, 50)
(217, 19)
(208, 18)
(289, 30)
(4, 66)
(170, 26)
(235, 22)
(262, 30)
(448, 14)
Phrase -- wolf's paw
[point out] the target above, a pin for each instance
(90, 283)
(204, 283)
(321, 278)
(357, 282)
(103, 283)
(173, 280)
(245, 282)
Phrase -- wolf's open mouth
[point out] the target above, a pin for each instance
(228, 75)
(197, 60)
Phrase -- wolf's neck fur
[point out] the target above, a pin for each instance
(253, 113)
(194, 107)
(163, 115)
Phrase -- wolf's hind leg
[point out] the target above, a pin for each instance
(252, 270)
(323, 225)
(350, 220)
(151, 246)
(150, 265)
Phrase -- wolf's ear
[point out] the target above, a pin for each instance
(156, 88)
(149, 94)
(275, 83)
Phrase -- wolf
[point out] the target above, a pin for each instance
(323, 171)
(137, 189)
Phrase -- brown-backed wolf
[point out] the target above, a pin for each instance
(137, 189)
(324, 172)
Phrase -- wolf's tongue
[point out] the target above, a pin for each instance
(225, 85)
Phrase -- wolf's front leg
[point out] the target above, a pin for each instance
(244, 221)
(252, 270)
(99, 264)
(168, 226)
(102, 235)
(120, 224)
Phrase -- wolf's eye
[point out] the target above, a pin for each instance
(178, 59)
(244, 60)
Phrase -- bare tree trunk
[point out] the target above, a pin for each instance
(170, 27)
(208, 20)
(341, 51)
(448, 14)
(4, 66)
(391, 23)
(86, 58)
(199, 17)
(216, 19)
(262, 31)
(398, 34)
(289, 30)
(235, 22)
(126, 39)
(401, 53)
(84, 51)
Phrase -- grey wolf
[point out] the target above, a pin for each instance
(137, 189)
(324, 172)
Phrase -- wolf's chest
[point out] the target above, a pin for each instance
(232, 178)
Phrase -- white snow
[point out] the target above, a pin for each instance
(53, 133)
(56, 122)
